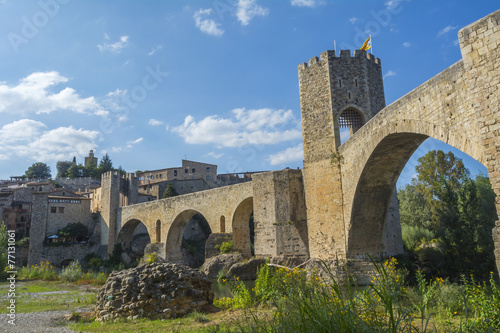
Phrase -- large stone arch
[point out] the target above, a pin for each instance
(241, 227)
(173, 245)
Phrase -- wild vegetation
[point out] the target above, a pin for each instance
(447, 219)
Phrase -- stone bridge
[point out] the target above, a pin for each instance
(459, 106)
(226, 209)
(343, 204)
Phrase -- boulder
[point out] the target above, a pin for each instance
(222, 262)
(246, 270)
(156, 291)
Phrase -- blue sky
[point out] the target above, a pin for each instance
(153, 82)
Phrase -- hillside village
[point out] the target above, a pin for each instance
(78, 200)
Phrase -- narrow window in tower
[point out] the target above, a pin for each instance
(356, 82)
(349, 95)
(340, 83)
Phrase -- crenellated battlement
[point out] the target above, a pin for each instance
(330, 55)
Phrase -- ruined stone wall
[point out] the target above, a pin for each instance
(480, 47)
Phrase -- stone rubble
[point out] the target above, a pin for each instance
(156, 291)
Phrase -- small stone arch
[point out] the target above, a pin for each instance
(158, 231)
(222, 225)
(66, 262)
(242, 232)
(351, 118)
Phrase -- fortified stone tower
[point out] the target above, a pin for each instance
(335, 92)
(116, 191)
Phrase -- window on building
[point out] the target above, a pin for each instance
(160, 175)
(208, 169)
(40, 189)
(186, 170)
(193, 170)
(53, 209)
(61, 209)
(175, 173)
(208, 177)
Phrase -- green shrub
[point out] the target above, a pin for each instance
(72, 272)
(150, 258)
(414, 236)
(226, 247)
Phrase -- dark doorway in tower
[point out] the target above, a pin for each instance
(194, 238)
(350, 121)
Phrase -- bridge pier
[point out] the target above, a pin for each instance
(480, 47)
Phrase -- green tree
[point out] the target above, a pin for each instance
(73, 171)
(74, 231)
(105, 165)
(62, 167)
(413, 208)
(169, 192)
(438, 173)
(38, 170)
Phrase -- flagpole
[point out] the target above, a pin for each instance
(371, 44)
(335, 46)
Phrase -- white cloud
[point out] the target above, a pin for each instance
(292, 154)
(353, 20)
(129, 145)
(205, 24)
(155, 49)
(28, 138)
(154, 122)
(215, 155)
(32, 95)
(115, 47)
(390, 73)
(248, 9)
(133, 142)
(456, 42)
(445, 30)
(308, 3)
(256, 127)
(406, 44)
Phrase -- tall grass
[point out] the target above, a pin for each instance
(303, 302)
(72, 273)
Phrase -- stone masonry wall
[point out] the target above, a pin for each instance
(480, 46)
(71, 213)
(280, 217)
(39, 214)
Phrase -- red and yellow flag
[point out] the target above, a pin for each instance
(367, 44)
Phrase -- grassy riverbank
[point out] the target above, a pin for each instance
(294, 301)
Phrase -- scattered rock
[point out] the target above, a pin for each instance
(156, 291)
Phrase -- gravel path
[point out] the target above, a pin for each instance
(34, 322)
